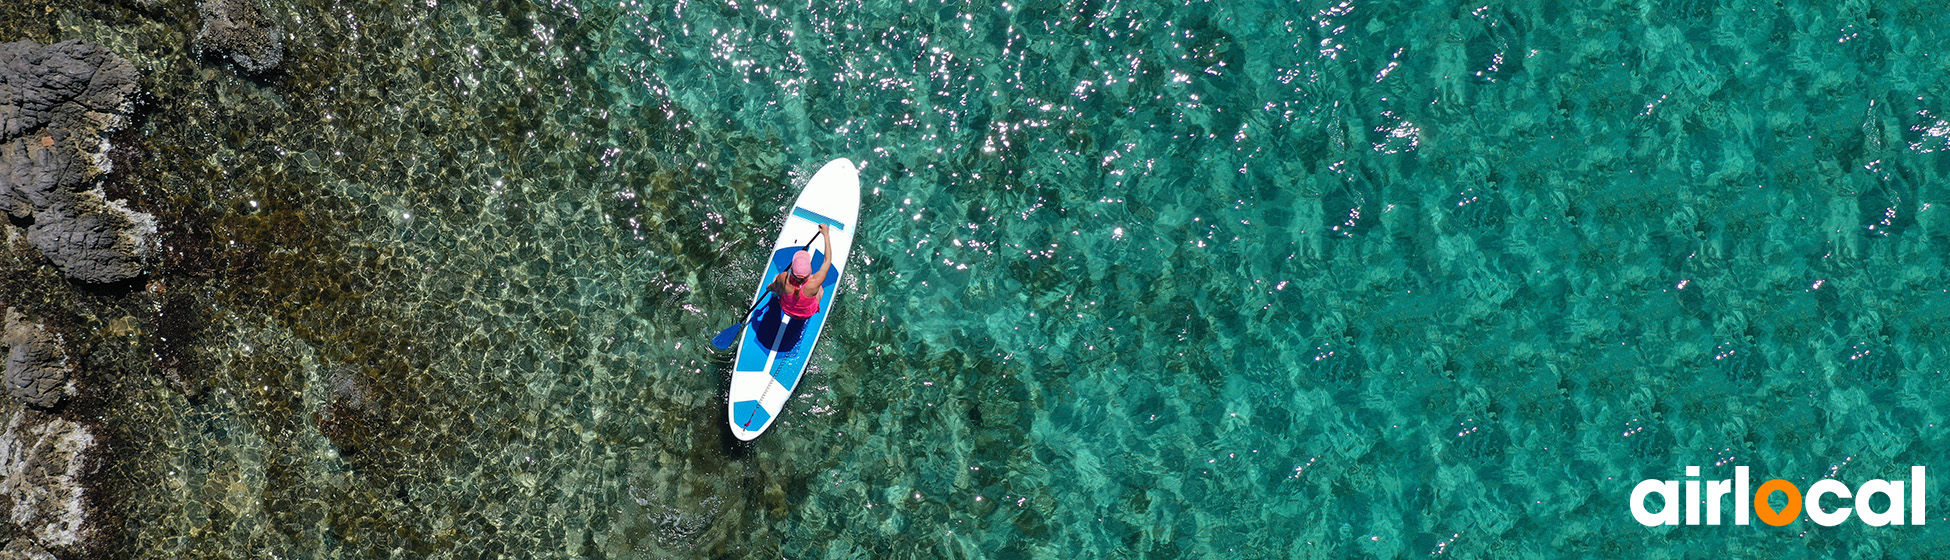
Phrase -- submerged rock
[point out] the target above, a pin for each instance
(24, 549)
(42, 461)
(349, 420)
(36, 367)
(239, 30)
(56, 103)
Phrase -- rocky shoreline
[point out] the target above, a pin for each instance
(131, 227)
(57, 104)
(258, 215)
(44, 458)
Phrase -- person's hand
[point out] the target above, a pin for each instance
(823, 229)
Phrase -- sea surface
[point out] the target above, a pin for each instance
(1135, 279)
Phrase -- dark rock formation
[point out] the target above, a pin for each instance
(56, 102)
(36, 367)
(23, 548)
(42, 461)
(239, 30)
(95, 243)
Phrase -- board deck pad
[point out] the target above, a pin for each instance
(774, 351)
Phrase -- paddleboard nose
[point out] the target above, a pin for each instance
(841, 165)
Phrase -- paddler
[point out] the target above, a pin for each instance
(799, 287)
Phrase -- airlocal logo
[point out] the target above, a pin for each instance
(1757, 502)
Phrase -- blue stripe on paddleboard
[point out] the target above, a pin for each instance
(750, 415)
(751, 356)
(816, 218)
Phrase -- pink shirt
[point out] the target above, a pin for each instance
(796, 303)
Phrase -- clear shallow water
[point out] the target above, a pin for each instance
(1136, 279)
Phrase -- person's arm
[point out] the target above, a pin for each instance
(818, 279)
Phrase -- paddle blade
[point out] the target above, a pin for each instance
(728, 336)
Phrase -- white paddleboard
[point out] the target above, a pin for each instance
(775, 347)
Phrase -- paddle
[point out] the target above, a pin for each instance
(730, 334)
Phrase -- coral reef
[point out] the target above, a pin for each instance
(56, 102)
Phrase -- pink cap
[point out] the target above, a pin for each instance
(802, 263)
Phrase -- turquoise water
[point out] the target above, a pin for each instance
(1135, 279)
